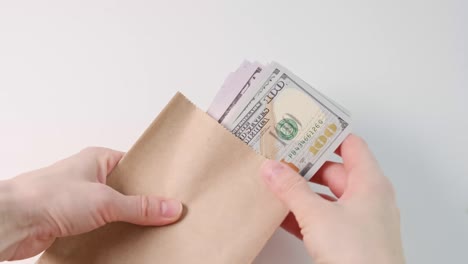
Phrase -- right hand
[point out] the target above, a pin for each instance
(362, 226)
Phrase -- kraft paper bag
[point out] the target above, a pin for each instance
(185, 155)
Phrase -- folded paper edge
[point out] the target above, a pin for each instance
(178, 98)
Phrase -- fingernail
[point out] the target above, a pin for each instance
(272, 169)
(171, 208)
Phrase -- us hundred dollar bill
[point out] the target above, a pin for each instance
(286, 119)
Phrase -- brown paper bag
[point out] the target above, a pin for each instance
(186, 155)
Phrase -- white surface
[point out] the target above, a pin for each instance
(81, 73)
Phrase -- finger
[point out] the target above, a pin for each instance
(145, 210)
(31, 248)
(105, 159)
(290, 223)
(332, 175)
(291, 188)
(357, 156)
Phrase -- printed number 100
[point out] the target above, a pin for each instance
(323, 139)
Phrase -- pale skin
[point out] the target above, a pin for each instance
(360, 226)
(70, 197)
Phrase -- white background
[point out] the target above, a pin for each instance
(74, 74)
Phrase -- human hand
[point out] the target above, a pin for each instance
(362, 226)
(70, 198)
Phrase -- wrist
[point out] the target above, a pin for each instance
(12, 228)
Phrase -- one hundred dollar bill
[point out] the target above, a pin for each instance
(284, 118)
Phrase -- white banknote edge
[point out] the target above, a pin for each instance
(251, 97)
(315, 93)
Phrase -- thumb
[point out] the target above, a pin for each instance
(145, 210)
(291, 188)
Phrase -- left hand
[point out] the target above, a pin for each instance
(70, 198)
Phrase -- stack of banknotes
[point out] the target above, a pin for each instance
(280, 116)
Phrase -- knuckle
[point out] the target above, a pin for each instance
(396, 211)
(104, 196)
(91, 150)
(387, 188)
(98, 153)
(391, 191)
(144, 205)
(392, 210)
(385, 191)
(290, 184)
(105, 203)
(102, 159)
(357, 140)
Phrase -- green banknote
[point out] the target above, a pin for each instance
(284, 118)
